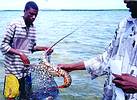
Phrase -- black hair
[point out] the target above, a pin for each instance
(31, 4)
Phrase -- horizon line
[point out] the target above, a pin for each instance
(68, 9)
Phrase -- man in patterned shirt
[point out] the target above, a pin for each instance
(118, 62)
(20, 41)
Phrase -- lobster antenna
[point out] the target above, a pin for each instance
(48, 56)
(61, 39)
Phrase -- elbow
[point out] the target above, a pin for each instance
(4, 49)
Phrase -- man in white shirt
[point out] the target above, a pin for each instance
(118, 62)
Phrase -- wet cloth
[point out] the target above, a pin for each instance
(121, 51)
(25, 88)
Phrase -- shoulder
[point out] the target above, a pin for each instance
(127, 21)
(16, 22)
(123, 23)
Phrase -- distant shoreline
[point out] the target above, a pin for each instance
(75, 10)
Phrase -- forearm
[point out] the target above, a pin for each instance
(14, 51)
(40, 48)
(22, 56)
(73, 66)
(78, 66)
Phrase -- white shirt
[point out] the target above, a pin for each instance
(120, 56)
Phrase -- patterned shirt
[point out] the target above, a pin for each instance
(19, 37)
(119, 57)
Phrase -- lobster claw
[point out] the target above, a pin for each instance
(67, 78)
(57, 73)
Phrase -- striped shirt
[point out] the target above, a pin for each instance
(119, 57)
(19, 37)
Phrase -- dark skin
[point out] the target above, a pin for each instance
(73, 66)
(126, 82)
(132, 5)
(29, 17)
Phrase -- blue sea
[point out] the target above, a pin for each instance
(92, 33)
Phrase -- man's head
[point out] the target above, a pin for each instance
(132, 5)
(30, 12)
(126, 1)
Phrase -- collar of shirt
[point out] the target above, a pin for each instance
(130, 19)
(23, 23)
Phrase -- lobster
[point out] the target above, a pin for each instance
(46, 67)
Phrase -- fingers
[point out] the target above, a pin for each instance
(126, 82)
(25, 61)
(117, 77)
(118, 82)
(61, 66)
(125, 74)
(129, 89)
(64, 67)
(49, 51)
(121, 77)
(125, 86)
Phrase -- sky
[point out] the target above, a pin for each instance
(64, 4)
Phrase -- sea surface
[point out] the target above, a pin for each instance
(91, 31)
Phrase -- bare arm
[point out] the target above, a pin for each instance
(72, 66)
(42, 48)
(23, 57)
(6, 44)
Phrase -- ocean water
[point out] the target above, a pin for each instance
(92, 32)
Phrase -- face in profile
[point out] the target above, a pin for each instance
(132, 5)
(30, 15)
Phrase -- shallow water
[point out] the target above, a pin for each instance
(94, 30)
